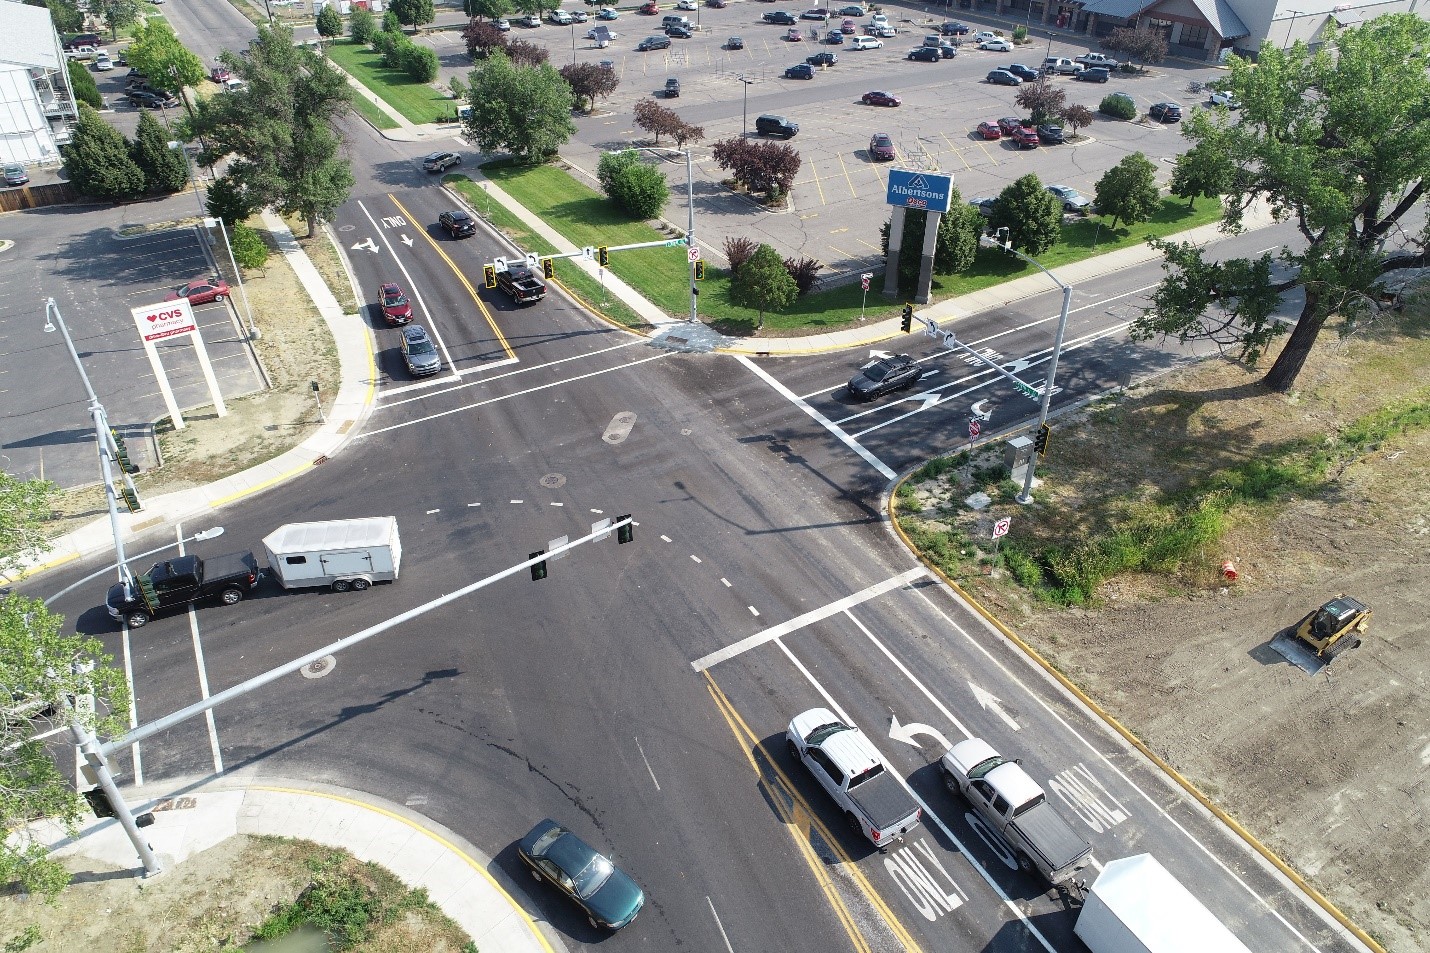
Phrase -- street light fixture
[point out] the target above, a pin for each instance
(1002, 241)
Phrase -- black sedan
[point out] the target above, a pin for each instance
(678, 32)
(1026, 73)
(884, 376)
(1166, 112)
(609, 896)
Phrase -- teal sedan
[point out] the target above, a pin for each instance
(553, 854)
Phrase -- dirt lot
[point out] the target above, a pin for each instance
(214, 900)
(1329, 771)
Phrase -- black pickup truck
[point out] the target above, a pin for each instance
(522, 284)
(181, 581)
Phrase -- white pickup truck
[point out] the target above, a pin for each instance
(848, 766)
(1009, 800)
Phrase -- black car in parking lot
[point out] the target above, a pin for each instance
(1051, 134)
(1096, 74)
(822, 58)
(151, 99)
(458, 223)
(672, 88)
(800, 71)
(1166, 112)
(780, 17)
(884, 376)
(953, 29)
(928, 54)
(676, 31)
(653, 43)
(1026, 73)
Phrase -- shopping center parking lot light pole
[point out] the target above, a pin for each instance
(1001, 241)
(689, 219)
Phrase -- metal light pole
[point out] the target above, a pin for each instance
(176, 144)
(745, 106)
(1291, 26)
(573, 45)
(1026, 496)
(237, 275)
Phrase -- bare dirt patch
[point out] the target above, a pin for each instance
(1329, 771)
(215, 900)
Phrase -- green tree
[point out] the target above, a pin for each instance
(413, 12)
(1128, 190)
(1334, 141)
(228, 200)
(419, 62)
(97, 160)
(285, 151)
(487, 9)
(83, 84)
(634, 185)
(25, 505)
(764, 283)
(41, 670)
(163, 58)
(165, 169)
(249, 248)
(955, 246)
(390, 22)
(330, 21)
(362, 25)
(1032, 215)
(1201, 172)
(118, 14)
(520, 109)
(64, 14)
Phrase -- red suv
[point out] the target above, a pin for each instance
(396, 309)
(1026, 138)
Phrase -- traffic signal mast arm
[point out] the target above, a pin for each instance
(532, 259)
(951, 341)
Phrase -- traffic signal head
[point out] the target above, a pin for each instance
(548, 268)
(1040, 440)
(626, 533)
(491, 274)
(906, 323)
(699, 269)
(603, 255)
(538, 570)
(99, 803)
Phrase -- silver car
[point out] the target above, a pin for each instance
(419, 352)
(1072, 199)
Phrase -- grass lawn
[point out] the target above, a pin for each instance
(586, 218)
(419, 102)
(575, 281)
(369, 111)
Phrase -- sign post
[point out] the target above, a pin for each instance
(864, 280)
(974, 429)
(1000, 529)
(173, 319)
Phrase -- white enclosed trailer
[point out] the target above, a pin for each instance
(1136, 906)
(344, 554)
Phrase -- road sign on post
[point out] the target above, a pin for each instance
(864, 280)
(1001, 527)
(694, 253)
(974, 429)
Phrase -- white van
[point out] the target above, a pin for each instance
(865, 43)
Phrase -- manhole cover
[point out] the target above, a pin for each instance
(319, 668)
(552, 480)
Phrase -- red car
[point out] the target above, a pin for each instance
(881, 147)
(650, 9)
(201, 290)
(990, 130)
(847, 27)
(1026, 138)
(396, 309)
(218, 74)
(1009, 125)
(877, 98)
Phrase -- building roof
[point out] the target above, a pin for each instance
(1217, 13)
(29, 36)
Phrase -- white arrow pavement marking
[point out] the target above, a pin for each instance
(929, 398)
(991, 703)
(877, 355)
(370, 245)
(905, 733)
(407, 241)
(1018, 366)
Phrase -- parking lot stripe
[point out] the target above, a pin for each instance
(845, 170)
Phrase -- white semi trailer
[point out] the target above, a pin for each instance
(1136, 906)
(344, 554)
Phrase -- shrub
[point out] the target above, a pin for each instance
(249, 248)
(83, 84)
(738, 250)
(1118, 106)
(386, 44)
(1020, 34)
(390, 23)
(635, 186)
(419, 62)
(804, 272)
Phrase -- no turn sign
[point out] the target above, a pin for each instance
(1001, 527)
(974, 429)
(864, 280)
(694, 253)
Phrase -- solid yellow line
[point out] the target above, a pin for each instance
(816, 866)
(436, 837)
(491, 323)
(895, 925)
(1133, 740)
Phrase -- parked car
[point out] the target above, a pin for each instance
(1220, 98)
(1095, 74)
(1009, 125)
(82, 39)
(83, 52)
(15, 175)
(502, 24)
(780, 17)
(834, 38)
(395, 307)
(933, 40)
(579, 16)
(953, 28)
(881, 30)
(851, 11)
(458, 223)
(879, 19)
(927, 54)
(817, 13)
(878, 97)
(715, 4)
(1001, 77)
(997, 44)
(822, 58)
(1166, 112)
(219, 73)
(102, 63)
(610, 898)
(440, 161)
(653, 43)
(152, 99)
(1072, 199)
(1097, 59)
(794, 35)
(800, 71)
(419, 352)
(1050, 133)
(530, 21)
(672, 88)
(866, 43)
(650, 8)
(202, 290)
(1026, 73)
(984, 206)
(735, 43)
(677, 32)
(1025, 138)
(884, 376)
(607, 13)
(686, 5)
(947, 50)
(990, 130)
(772, 125)
(559, 17)
(848, 28)
(1062, 66)
(982, 35)
(881, 147)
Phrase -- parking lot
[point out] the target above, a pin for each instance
(837, 203)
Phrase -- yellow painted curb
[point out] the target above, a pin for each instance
(1131, 738)
(531, 925)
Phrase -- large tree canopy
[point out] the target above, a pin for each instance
(525, 110)
(1336, 141)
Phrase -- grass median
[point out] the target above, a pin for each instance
(585, 217)
(418, 102)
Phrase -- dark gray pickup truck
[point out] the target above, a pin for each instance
(182, 581)
(522, 284)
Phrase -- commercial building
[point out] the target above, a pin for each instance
(37, 105)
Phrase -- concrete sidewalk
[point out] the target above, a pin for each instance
(191, 817)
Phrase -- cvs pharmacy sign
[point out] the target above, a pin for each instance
(166, 319)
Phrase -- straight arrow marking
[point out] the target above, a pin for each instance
(989, 702)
